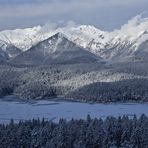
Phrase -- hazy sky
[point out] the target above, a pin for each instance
(104, 14)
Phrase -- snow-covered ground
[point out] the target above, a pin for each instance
(54, 110)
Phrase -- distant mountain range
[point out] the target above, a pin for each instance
(128, 43)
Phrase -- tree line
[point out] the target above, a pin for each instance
(121, 132)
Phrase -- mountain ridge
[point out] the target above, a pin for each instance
(55, 50)
(116, 44)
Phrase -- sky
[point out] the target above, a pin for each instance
(103, 14)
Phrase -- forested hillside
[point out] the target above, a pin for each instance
(95, 82)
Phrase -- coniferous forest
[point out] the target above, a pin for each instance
(121, 132)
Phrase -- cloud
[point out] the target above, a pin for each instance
(70, 24)
(136, 26)
(14, 13)
(48, 27)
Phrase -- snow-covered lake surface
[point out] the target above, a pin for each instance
(54, 110)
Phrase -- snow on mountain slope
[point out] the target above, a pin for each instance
(118, 43)
(55, 50)
(22, 38)
(25, 38)
(127, 40)
(87, 36)
(8, 50)
(136, 30)
(83, 35)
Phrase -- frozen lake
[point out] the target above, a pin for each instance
(54, 110)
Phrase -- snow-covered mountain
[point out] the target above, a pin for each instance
(116, 44)
(124, 42)
(55, 50)
(24, 38)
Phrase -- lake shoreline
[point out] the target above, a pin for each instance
(63, 99)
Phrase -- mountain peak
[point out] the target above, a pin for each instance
(58, 35)
(55, 50)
